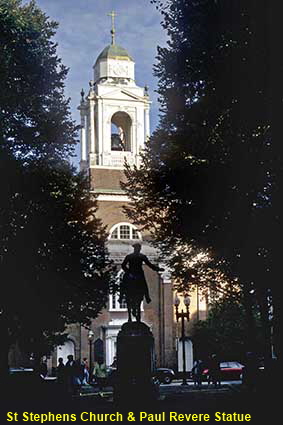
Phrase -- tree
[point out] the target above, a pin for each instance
(34, 116)
(54, 265)
(53, 262)
(223, 332)
(207, 175)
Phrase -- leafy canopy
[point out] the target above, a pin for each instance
(53, 262)
(206, 175)
(34, 115)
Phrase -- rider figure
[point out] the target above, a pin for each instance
(134, 278)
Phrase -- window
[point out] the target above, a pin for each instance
(114, 234)
(124, 231)
(121, 125)
(115, 305)
(135, 234)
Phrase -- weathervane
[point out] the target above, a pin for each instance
(112, 14)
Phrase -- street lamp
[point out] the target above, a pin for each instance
(183, 315)
(90, 340)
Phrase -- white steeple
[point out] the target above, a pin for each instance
(115, 113)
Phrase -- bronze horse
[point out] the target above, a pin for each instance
(133, 286)
(131, 292)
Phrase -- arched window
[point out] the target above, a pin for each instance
(125, 231)
(121, 125)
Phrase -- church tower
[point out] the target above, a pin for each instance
(114, 123)
(114, 128)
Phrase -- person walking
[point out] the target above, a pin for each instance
(70, 374)
(250, 371)
(78, 376)
(197, 370)
(214, 371)
(43, 368)
(86, 371)
(100, 374)
(60, 371)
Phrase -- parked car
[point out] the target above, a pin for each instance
(165, 375)
(229, 371)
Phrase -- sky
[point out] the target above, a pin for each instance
(84, 31)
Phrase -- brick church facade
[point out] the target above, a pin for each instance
(114, 127)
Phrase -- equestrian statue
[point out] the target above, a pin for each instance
(133, 286)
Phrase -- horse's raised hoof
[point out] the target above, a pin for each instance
(148, 300)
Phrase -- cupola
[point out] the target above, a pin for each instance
(114, 64)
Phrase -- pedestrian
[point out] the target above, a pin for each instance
(60, 371)
(43, 368)
(100, 374)
(70, 374)
(70, 361)
(197, 372)
(86, 371)
(214, 371)
(250, 371)
(78, 376)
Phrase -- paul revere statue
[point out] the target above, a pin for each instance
(133, 286)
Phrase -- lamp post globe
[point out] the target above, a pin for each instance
(187, 300)
(176, 301)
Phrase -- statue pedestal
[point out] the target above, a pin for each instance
(135, 365)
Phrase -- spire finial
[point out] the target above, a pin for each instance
(112, 14)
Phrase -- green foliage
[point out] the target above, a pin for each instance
(189, 188)
(34, 116)
(210, 175)
(224, 331)
(54, 266)
(53, 259)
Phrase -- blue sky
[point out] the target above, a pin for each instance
(84, 31)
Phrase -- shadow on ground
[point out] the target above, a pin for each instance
(228, 400)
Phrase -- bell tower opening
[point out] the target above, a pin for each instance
(114, 117)
(121, 125)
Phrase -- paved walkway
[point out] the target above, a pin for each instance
(184, 400)
(175, 387)
(176, 398)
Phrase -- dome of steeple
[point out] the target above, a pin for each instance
(113, 51)
(114, 62)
